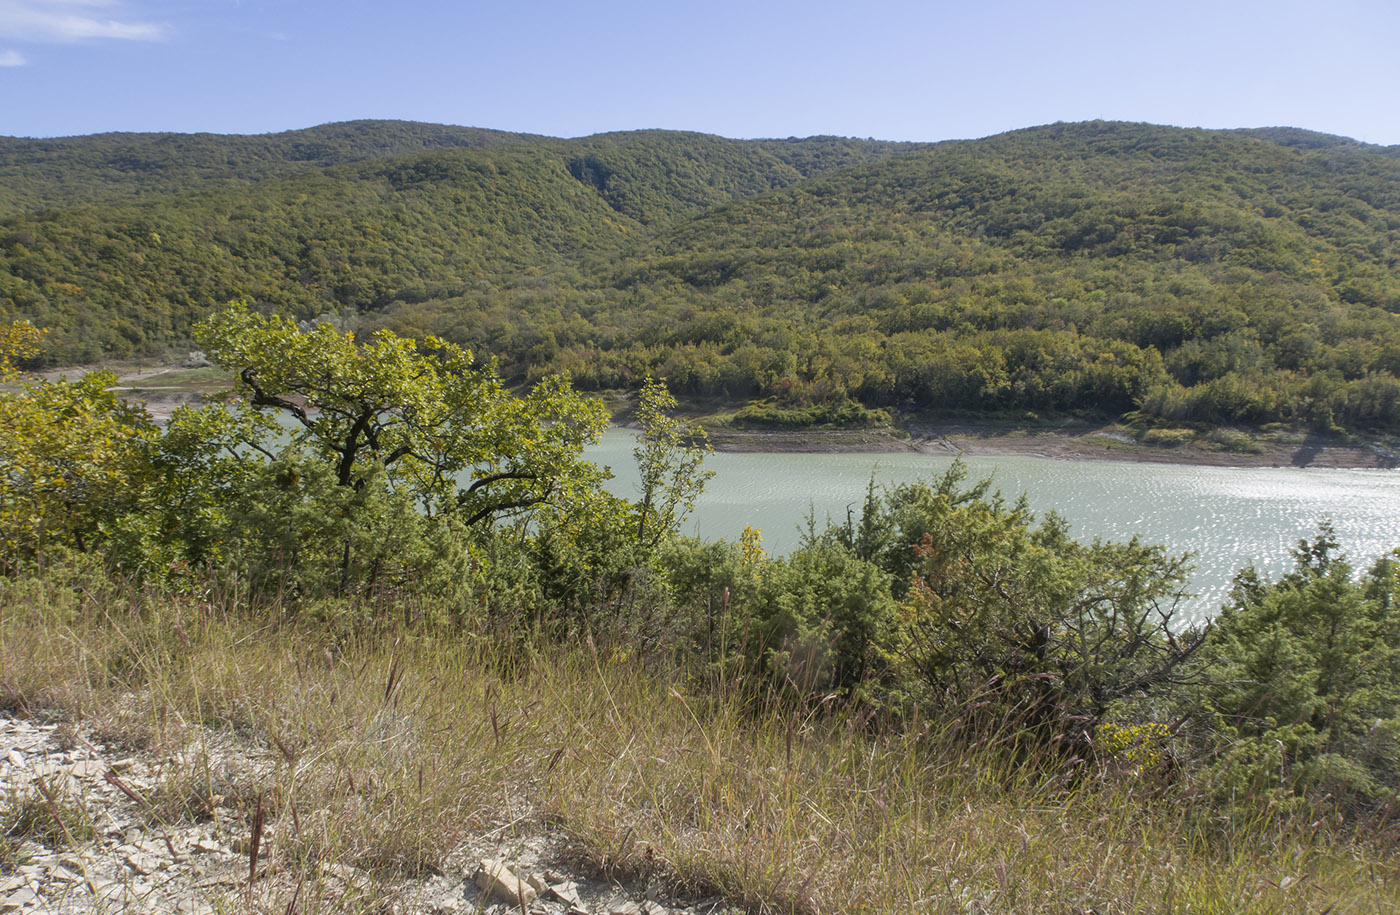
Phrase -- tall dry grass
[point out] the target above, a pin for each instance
(391, 751)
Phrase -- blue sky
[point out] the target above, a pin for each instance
(891, 69)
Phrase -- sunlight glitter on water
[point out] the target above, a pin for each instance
(1227, 517)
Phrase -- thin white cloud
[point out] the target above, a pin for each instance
(71, 20)
(10, 58)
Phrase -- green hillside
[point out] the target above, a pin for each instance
(111, 167)
(1188, 276)
(123, 279)
(1200, 276)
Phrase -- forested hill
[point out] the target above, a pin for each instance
(1192, 276)
(129, 277)
(66, 172)
(1247, 276)
(73, 171)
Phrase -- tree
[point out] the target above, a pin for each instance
(670, 456)
(73, 458)
(439, 426)
(1304, 680)
(1018, 623)
(19, 340)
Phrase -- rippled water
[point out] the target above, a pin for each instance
(1228, 517)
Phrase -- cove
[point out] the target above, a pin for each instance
(1227, 517)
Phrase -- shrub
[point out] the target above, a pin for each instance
(1304, 682)
(1014, 623)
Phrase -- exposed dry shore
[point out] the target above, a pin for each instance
(1069, 443)
(163, 388)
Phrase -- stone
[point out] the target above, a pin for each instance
(495, 879)
(141, 863)
(72, 861)
(62, 874)
(16, 758)
(155, 847)
(566, 891)
(88, 768)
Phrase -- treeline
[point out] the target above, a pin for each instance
(1177, 276)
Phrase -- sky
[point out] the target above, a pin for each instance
(889, 69)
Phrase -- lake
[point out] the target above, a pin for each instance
(1228, 517)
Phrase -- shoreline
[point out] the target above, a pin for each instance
(1090, 444)
(163, 388)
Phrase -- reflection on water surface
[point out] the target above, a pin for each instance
(1228, 517)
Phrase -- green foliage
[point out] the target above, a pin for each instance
(19, 340)
(843, 412)
(1014, 624)
(713, 586)
(362, 225)
(823, 620)
(1194, 277)
(72, 459)
(1304, 681)
(586, 559)
(443, 431)
(73, 171)
(670, 455)
(1187, 279)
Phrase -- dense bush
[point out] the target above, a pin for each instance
(1302, 687)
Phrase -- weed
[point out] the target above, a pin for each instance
(44, 815)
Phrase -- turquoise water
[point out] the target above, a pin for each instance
(1227, 517)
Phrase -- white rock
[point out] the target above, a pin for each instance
(73, 862)
(16, 758)
(143, 864)
(88, 768)
(566, 891)
(495, 878)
